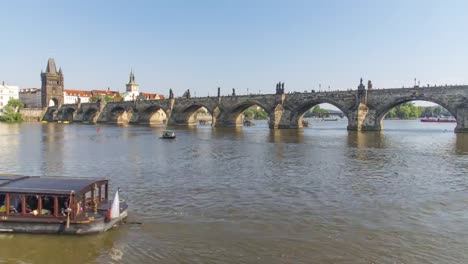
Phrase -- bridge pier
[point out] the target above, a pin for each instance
(364, 119)
(182, 119)
(462, 120)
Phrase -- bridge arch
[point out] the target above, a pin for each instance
(303, 108)
(383, 110)
(68, 113)
(152, 115)
(235, 117)
(190, 113)
(118, 115)
(90, 115)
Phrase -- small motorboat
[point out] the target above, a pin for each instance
(58, 205)
(168, 134)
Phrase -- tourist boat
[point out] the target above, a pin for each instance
(168, 134)
(329, 119)
(58, 205)
(439, 120)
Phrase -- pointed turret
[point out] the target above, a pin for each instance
(60, 71)
(132, 86)
(51, 66)
(132, 77)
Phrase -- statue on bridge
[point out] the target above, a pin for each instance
(187, 94)
(219, 92)
(233, 92)
(369, 85)
(171, 94)
(279, 88)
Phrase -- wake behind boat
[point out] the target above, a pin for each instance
(58, 205)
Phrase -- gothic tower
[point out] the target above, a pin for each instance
(52, 85)
(132, 86)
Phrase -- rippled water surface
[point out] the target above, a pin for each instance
(253, 195)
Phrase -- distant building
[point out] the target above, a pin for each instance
(7, 92)
(31, 97)
(150, 96)
(132, 90)
(52, 85)
(103, 93)
(75, 96)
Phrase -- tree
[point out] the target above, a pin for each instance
(249, 113)
(11, 112)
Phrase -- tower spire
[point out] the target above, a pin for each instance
(132, 77)
(51, 68)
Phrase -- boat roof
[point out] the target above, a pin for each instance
(46, 185)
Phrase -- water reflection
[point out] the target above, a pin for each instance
(363, 140)
(461, 143)
(59, 249)
(52, 149)
(286, 136)
(255, 195)
(366, 139)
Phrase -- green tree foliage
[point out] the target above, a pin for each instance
(317, 112)
(256, 114)
(410, 111)
(11, 112)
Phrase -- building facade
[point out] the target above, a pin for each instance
(7, 92)
(31, 97)
(76, 96)
(132, 89)
(52, 85)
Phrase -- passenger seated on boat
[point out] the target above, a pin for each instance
(43, 212)
(12, 209)
(47, 204)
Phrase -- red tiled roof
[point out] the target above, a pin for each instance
(104, 92)
(77, 93)
(152, 96)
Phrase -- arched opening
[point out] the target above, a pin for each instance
(194, 113)
(153, 115)
(204, 117)
(416, 114)
(89, 115)
(322, 115)
(68, 114)
(250, 114)
(118, 115)
(53, 102)
(49, 116)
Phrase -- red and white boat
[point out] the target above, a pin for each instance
(438, 120)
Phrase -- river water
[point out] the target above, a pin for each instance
(253, 195)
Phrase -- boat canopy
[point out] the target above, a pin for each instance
(46, 185)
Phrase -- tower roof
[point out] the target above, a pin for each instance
(132, 78)
(51, 68)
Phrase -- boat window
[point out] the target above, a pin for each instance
(2, 203)
(15, 203)
(47, 205)
(63, 205)
(32, 204)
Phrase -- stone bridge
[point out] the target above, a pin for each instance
(365, 109)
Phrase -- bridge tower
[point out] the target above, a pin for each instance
(52, 85)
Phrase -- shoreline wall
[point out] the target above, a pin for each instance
(32, 114)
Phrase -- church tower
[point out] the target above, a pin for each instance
(52, 85)
(132, 87)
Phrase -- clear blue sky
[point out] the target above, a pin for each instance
(200, 45)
